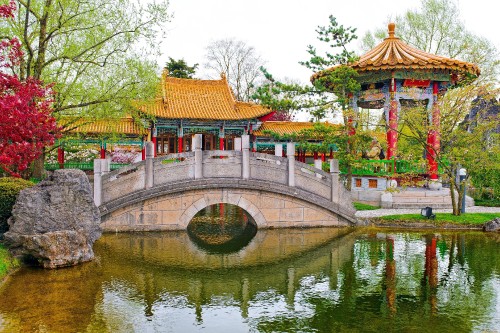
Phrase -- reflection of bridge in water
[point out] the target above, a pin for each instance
(274, 260)
(165, 193)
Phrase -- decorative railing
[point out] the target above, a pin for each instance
(383, 168)
(380, 168)
(80, 165)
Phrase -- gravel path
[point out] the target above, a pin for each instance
(383, 212)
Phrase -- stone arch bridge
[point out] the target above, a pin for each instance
(165, 193)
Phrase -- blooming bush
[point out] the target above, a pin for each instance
(120, 155)
(73, 154)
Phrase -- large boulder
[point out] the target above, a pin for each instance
(493, 225)
(56, 221)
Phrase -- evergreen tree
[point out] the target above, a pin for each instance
(180, 69)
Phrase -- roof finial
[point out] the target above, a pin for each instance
(223, 75)
(391, 27)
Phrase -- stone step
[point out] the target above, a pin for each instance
(420, 205)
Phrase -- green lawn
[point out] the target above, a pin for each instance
(362, 206)
(6, 262)
(467, 218)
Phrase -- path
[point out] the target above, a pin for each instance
(384, 212)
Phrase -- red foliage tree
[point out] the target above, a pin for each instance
(26, 123)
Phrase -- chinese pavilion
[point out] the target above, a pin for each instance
(207, 107)
(185, 107)
(394, 75)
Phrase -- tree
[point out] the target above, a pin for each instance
(476, 150)
(239, 61)
(180, 69)
(96, 52)
(27, 125)
(334, 83)
(436, 28)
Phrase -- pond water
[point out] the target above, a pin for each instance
(294, 280)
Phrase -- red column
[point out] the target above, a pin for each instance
(143, 150)
(323, 157)
(331, 154)
(392, 133)
(103, 150)
(60, 157)
(350, 119)
(433, 141)
(352, 130)
(153, 139)
(179, 143)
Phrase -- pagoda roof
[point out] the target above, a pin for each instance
(286, 127)
(394, 54)
(200, 99)
(125, 125)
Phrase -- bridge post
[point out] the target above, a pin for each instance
(290, 153)
(198, 156)
(97, 182)
(105, 165)
(278, 149)
(245, 156)
(149, 180)
(318, 164)
(334, 171)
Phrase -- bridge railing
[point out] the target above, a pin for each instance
(195, 165)
(314, 180)
(177, 167)
(118, 183)
(269, 168)
(222, 164)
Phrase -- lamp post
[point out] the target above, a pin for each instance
(462, 173)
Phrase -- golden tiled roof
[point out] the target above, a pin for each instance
(394, 54)
(201, 99)
(125, 125)
(285, 127)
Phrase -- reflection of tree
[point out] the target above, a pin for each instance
(451, 300)
(390, 275)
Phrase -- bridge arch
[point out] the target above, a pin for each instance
(237, 200)
(173, 210)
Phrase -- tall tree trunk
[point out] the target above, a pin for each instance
(349, 178)
(38, 167)
(452, 193)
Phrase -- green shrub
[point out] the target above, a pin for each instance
(9, 189)
(7, 263)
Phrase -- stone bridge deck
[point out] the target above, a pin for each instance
(165, 193)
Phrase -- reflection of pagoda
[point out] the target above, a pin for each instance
(394, 75)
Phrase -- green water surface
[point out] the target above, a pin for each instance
(294, 280)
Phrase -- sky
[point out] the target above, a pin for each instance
(280, 30)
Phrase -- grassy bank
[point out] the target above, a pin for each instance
(362, 206)
(7, 263)
(470, 219)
